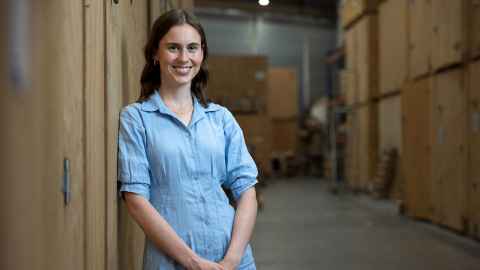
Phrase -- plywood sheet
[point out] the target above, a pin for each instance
(449, 153)
(473, 183)
(282, 96)
(420, 36)
(390, 136)
(367, 65)
(352, 154)
(417, 156)
(95, 184)
(347, 86)
(367, 143)
(351, 51)
(473, 34)
(393, 45)
(132, 29)
(353, 9)
(448, 32)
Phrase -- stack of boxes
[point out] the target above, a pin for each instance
(428, 106)
(360, 82)
(264, 102)
(240, 83)
(282, 109)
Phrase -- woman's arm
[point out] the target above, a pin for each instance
(163, 236)
(245, 217)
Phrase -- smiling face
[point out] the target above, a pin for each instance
(180, 55)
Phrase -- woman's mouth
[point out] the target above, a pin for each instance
(182, 69)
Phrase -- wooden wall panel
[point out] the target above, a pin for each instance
(347, 86)
(352, 157)
(367, 50)
(22, 162)
(95, 181)
(351, 44)
(390, 125)
(473, 34)
(449, 153)
(133, 22)
(46, 125)
(448, 32)
(393, 45)
(420, 36)
(390, 136)
(367, 143)
(474, 149)
(354, 9)
(113, 104)
(417, 156)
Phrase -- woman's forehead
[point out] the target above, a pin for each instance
(183, 33)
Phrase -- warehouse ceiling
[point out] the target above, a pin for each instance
(313, 8)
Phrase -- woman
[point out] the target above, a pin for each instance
(176, 151)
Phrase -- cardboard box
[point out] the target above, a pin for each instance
(282, 93)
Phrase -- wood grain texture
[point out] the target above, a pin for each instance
(95, 182)
(448, 22)
(420, 36)
(473, 31)
(417, 157)
(393, 45)
(367, 59)
(449, 153)
(473, 183)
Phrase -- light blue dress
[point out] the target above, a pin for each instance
(180, 170)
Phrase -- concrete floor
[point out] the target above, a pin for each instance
(303, 226)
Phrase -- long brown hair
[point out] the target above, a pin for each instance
(150, 79)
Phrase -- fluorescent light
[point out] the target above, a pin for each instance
(263, 2)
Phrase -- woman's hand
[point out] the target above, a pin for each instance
(228, 264)
(202, 264)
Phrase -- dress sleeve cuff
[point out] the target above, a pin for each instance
(242, 186)
(137, 188)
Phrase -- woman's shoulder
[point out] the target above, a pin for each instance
(131, 111)
(218, 111)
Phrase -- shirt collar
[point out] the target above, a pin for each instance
(155, 103)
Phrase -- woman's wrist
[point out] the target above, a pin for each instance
(232, 259)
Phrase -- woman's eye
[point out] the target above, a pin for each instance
(192, 48)
(172, 48)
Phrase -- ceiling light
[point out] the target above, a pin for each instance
(263, 2)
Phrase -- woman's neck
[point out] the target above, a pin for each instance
(176, 97)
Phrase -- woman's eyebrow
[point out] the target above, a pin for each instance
(179, 44)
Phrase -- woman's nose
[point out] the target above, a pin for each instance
(183, 55)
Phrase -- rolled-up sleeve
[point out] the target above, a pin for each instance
(133, 166)
(241, 169)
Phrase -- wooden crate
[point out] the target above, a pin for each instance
(367, 64)
(474, 149)
(449, 38)
(352, 154)
(473, 25)
(257, 130)
(354, 9)
(351, 44)
(347, 86)
(420, 36)
(449, 153)
(393, 45)
(416, 148)
(367, 143)
(237, 76)
(282, 96)
(390, 136)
